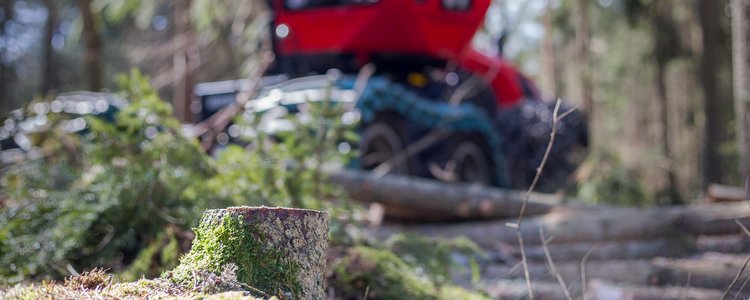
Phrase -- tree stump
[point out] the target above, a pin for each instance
(279, 251)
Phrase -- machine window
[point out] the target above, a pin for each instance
(457, 4)
(305, 4)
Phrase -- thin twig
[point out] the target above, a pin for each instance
(687, 286)
(737, 277)
(552, 264)
(253, 289)
(531, 189)
(742, 288)
(742, 226)
(367, 291)
(583, 271)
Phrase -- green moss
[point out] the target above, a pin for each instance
(388, 277)
(232, 241)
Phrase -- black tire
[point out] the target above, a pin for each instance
(473, 164)
(379, 143)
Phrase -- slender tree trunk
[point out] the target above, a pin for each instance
(708, 12)
(50, 70)
(5, 105)
(741, 58)
(582, 57)
(671, 190)
(93, 46)
(548, 56)
(180, 81)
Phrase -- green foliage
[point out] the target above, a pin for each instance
(602, 179)
(162, 253)
(233, 241)
(388, 277)
(432, 255)
(102, 197)
(97, 198)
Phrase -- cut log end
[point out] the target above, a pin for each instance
(277, 250)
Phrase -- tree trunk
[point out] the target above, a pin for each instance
(708, 12)
(5, 103)
(50, 69)
(186, 61)
(741, 58)
(419, 199)
(671, 191)
(548, 56)
(93, 46)
(280, 251)
(582, 58)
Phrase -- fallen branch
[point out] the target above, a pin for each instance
(431, 200)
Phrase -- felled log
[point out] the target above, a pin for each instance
(516, 289)
(602, 290)
(419, 199)
(625, 271)
(271, 251)
(728, 243)
(706, 272)
(607, 251)
(620, 224)
(721, 193)
(636, 249)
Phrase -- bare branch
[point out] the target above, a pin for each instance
(552, 263)
(737, 277)
(583, 271)
(531, 189)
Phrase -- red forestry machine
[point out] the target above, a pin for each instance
(433, 96)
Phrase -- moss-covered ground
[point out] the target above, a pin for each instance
(96, 284)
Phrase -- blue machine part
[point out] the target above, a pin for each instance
(382, 94)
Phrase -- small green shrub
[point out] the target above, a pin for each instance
(603, 179)
(385, 276)
(103, 197)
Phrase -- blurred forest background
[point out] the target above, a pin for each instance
(654, 76)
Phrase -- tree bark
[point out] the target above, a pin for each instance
(582, 58)
(5, 103)
(93, 46)
(548, 85)
(708, 12)
(596, 227)
(741, 62)
(50, 70)
(429, 200)
(671, 190)
(260, 242)
(180, 93)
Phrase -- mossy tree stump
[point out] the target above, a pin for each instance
(280, 251)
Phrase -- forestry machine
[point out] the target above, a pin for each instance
(425, 78)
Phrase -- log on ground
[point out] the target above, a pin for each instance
(601, 290)
(620, 224)
(419, 199)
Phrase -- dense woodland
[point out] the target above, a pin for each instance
(664, 84)
(655, 77)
